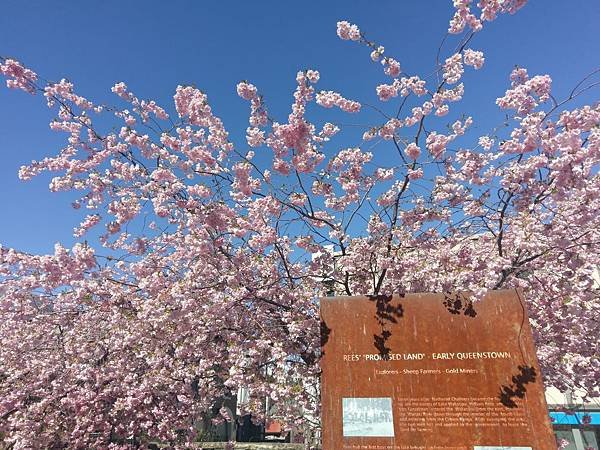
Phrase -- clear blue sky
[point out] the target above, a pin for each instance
(155, 45)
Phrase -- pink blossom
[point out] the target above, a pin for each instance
(281, 166)
(89, 222)
(348, 31)
(384, 174)
(255, 137)
(442, 110)
(563, 443)
(298, 199)
(163, 175)
(121, 90)
(453, 68)
(246, 90)
(388, 130)
(413, 151)
(392, 67)
(312, 76)
(387, 198)
(474, 58)
(124, 210)
(486, 142)
(258, 112)
(459, 127)
(415, 174)
(444, 96)
(387, 91)
(436, 143)
(329, 130)
(490, 8)
(413, 84)
(526, 95)
(518, 76)
(462, 17)
(328, 99)
(18, 76)
(199, 190)
(63, 90)
(369, 134)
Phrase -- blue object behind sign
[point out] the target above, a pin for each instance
(562, 418)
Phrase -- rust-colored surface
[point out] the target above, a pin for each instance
(441, 373)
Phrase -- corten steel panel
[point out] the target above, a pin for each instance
(438, 372)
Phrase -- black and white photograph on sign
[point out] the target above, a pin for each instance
(367, 417)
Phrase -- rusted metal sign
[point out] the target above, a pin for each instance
(429, 371)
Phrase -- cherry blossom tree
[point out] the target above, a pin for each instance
(200, 262)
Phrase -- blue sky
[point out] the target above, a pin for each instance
(153, 46)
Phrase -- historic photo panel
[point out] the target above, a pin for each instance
(367, 417)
